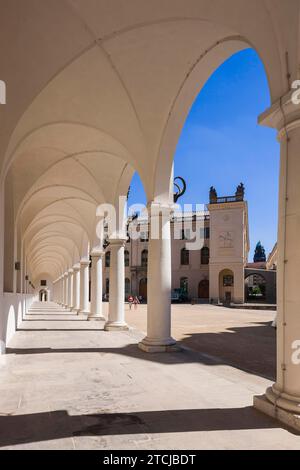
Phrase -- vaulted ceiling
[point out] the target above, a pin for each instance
(97, 90)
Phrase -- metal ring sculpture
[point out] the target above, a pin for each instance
(181, 189)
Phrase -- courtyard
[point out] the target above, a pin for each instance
(67, 384)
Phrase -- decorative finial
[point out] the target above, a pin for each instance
(213, 196)
(240, 192)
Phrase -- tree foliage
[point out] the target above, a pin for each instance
(259, 253)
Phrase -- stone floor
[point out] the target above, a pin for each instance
(236, 337)
(67, 384)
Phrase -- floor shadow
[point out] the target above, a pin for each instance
(51, 315)
(21, 429)
(56, 319)
(250, 348)
(59, 329)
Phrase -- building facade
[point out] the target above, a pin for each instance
(213, 273)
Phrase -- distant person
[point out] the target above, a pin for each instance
(136, 302)
(130, 301)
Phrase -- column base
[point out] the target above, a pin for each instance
(115, 326)
(287, 416)
(2, 347)
(75, 311)
(158, 346)
(94, 317)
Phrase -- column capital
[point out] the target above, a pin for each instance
(76, 268)
(97, 254)
(84, 262)
(65, 274)
(118, 241)
(161, 206)
(160, 210)
(70, 271)
(283, 115)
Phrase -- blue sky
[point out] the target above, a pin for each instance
(222, 145)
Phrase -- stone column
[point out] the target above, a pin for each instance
(55, 291)
(76, 288)
(84, 286)
(70, 288)
(96, 287)
(282, 400)
(66, 288)
(158, 337)
(116, 312)
(61, 290)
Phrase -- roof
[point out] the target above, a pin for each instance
(257, 265)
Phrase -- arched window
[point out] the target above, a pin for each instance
(127, 287)
(126, 258)
(144, 258)
(185, 257)
(107, 259)
(184, 285)
(205, 255)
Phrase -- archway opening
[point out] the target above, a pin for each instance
(220, 147)
(43, 295)
(255, 288)
(226, 286)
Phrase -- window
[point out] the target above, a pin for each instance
(107, 286)
(185, 257)
(184, 285)
(144, 258)
(107, 259)
(228, 280)
(126, 258)
(144, 236)
(205, 233)
(186, 234)
(205, 255)
(127, 287)
(43, 283)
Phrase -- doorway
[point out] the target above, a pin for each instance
(203, 289)
(43, 295)
(143, 289)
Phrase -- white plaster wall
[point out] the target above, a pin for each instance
(14, 307)
(48, 287)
